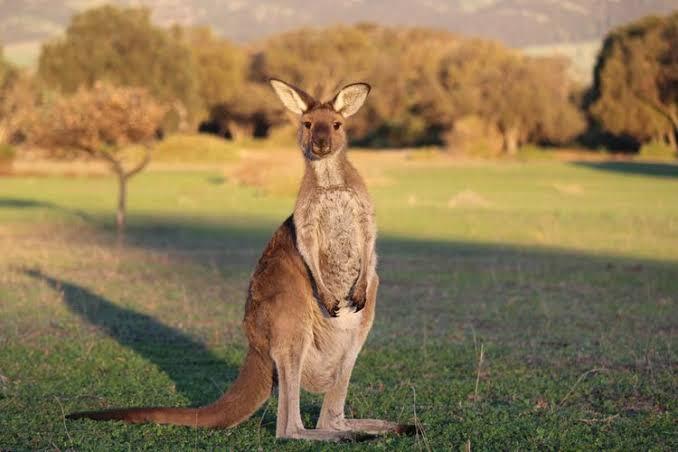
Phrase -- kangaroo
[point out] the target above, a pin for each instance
(312, 296)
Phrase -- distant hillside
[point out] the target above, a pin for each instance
(518, 23)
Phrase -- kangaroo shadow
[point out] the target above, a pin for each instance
(187, 362)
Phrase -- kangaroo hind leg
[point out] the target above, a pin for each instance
(332, 412)
(288, 423)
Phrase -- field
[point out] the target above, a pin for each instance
(523, 305)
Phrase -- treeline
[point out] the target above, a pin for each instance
(431, 87)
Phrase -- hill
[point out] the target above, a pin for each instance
(571, 27)
(518, 23)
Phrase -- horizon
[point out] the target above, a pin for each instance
(573, 29)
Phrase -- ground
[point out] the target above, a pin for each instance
(523, 305)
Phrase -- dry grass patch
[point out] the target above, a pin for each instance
(278, 172)
(568, 189)
(468, 198)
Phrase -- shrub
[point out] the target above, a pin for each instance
(7, 154)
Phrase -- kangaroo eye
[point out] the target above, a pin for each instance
(337, 125)
(307, 124)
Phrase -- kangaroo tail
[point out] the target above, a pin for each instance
(249, 391)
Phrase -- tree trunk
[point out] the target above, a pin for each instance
(122, 204)
(240, 130)
(671, 139)
(511, 136)
(182, 116)
(123, 177)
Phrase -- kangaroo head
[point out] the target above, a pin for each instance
(321, 130)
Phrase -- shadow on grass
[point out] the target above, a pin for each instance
(435, 287)
(19, 203)
(636, 168)
(187, 362)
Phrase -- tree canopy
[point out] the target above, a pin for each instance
(19, 94)
(635, 92)
(122, 46)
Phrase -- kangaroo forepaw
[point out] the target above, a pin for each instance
(359, 297)
(330, 304)
(333, 311)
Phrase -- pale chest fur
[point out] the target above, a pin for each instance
(340, 239)
(339, 219)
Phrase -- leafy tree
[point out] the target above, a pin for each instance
(635, 90)
(318, 59)
(558, 117)
(401, 73)
(7, 77)
(100, 122)
(248, 113)
(221, 67)
(235, 105)
(123, 47)
(525, 99)
(19, 94)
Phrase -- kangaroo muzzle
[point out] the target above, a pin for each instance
(320, 140)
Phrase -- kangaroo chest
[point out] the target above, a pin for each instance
(340, 238)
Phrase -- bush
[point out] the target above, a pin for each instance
(473, 136)
(7, 154)
(195, 148)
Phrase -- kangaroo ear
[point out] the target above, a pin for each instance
(295, 99)
(350, 98)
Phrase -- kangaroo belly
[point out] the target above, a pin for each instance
(341, 241)
(334, 342)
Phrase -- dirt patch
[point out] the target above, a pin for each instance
(468, 198)
(569, 189)
(274, 172)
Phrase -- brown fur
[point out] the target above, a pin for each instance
(312, 297)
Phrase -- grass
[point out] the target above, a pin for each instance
(658, 151)
(523, 305)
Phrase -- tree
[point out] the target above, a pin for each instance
(234, 105)
(221, 67)
(100, 122)
(558, 117)
(524, 99)
(401, 73)
(7, 77)
(19, 94)
(635, 90)
(123, 47)
(248, 113)
(319, 59)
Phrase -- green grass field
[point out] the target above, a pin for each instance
(565, 275)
